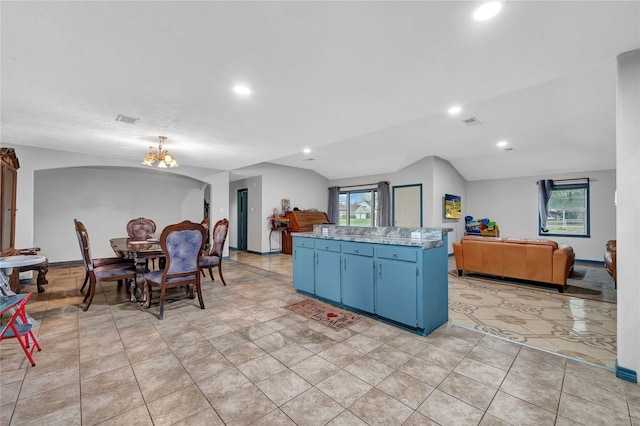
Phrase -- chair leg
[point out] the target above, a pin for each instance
(162, 290)
(25, 346)
(86, 278)
(211, 274)
(90, 293)
(203, 274)
(200, 298)
(220, 272)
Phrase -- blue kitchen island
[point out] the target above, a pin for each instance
(397, 275)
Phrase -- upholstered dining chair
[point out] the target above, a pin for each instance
(214, 258)
(182, 246)
(105, 269)
(141, 229)
(205, 223)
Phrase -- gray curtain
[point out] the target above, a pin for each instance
(333, 211)
(384, 204)
(545, 187)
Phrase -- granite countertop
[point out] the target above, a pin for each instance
(376, 239)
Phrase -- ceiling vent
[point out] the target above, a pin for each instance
(126, 119)
(473, 121)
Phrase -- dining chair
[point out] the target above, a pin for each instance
(182, 246)
(105, 269)
(205, 223)
(214, 258)
(18, 327)
(142, 229)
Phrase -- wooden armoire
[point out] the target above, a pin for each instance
(8, 178)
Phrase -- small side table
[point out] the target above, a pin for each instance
(279, 230)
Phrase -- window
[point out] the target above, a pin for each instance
(568, 210)
(358, 208)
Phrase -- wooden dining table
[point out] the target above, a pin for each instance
(140, 252)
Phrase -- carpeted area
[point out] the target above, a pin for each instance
(326, 314)
(586, 282)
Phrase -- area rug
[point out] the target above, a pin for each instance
(326, 314)
(583, 284)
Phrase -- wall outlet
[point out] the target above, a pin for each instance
(415, 235)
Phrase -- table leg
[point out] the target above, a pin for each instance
(139, 283)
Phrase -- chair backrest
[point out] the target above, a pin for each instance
(219, 237)
(141, 228)
(83, 241)
(182, 245)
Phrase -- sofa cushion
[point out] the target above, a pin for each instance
(531, 242)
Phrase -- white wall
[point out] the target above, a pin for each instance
(447, 180)
(105, 199)
(269, 185)
(33, 160)
(438, 177)
(513, 205)
(628, 210)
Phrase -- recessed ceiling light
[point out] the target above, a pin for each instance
(242, 90)
(487, 11)
(502, 144)
(307, 151)
(455, 109)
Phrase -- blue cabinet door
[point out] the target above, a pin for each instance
(357, 282)
(327, 275)
(303, 268)
(396, 291)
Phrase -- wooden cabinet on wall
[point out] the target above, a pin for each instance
(8, 177)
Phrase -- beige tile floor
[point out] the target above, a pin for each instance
(246, 360)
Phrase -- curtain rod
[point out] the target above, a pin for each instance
(364, 184)
(565, 180)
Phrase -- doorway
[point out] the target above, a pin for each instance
(407, 205)
(243, 197)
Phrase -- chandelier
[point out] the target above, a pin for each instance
(159, 157)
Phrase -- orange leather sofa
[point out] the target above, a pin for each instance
(533, 260)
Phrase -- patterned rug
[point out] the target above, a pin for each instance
(326, 314)
(583, 283)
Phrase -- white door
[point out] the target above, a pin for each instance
(407, 206)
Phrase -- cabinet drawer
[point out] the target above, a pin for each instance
(357, 249)
(328, 245)
(397, 253)
(303, 242)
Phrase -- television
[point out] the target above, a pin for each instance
(452, 206)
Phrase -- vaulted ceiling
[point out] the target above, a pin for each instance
(365, 85)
